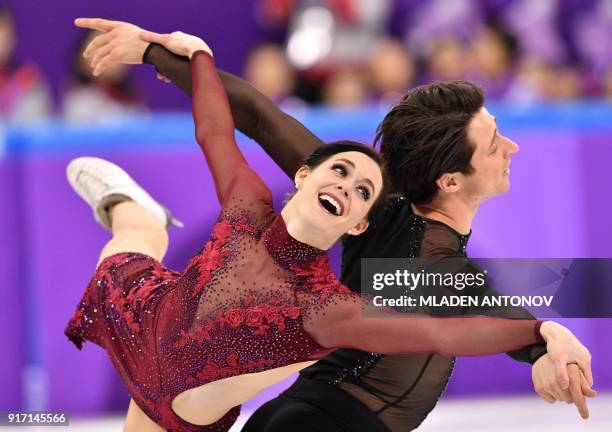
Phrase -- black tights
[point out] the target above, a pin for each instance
(313, 406)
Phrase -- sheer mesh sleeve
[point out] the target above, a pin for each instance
(285, 139)
(215, 134)
(453, 263)
(337, 322)
(528, 354)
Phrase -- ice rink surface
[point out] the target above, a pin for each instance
(524, 414)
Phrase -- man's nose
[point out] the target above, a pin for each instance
(512, 146)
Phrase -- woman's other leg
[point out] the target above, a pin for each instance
(138, 421)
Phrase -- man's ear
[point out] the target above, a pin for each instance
(449, 182)
(359, 228)
(300, 175)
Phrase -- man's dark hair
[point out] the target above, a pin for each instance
(324, 152)
(425, 136)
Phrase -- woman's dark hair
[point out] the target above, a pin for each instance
(324, 152)
(425, 136)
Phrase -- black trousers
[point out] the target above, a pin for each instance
(313, 406)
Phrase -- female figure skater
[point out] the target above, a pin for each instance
(259, 301)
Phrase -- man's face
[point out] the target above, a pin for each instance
(491, 158)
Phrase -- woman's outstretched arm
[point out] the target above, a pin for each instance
(214, 127)
(346, 321)
(284, 138)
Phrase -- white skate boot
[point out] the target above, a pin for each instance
(101, 184)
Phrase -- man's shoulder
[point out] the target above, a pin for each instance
(384, 224)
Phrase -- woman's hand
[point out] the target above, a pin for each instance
(119, 42)
(563, 349)
(179, 43)
(545, 383)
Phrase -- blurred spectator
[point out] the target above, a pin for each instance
(24, 96)
(108, 97)
(539, 81)
(493, 56)
(447, 60)
(607, 84)
(535, 25)
(591, 34)
(567, 83)
(534, 82)
(426, 23)
(342, 51)
(268, 70)
(391, 70)
(345, 87)
(327, 33)
(274, 13)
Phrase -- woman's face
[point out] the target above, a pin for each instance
(338, 194)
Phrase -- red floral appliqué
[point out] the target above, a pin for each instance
(213, 371)
(243, 225)
(322, 280)
(258, 317)
(212, 256)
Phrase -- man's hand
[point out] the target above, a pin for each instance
(546, 385)
(119, 42)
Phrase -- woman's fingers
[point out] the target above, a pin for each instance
(586, 389)
(585, 367)
(149, 36)
(561, 374)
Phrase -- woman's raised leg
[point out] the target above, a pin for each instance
(135, 230)
(138, 224)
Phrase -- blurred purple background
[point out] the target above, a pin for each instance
(519, 50)
(47, 34)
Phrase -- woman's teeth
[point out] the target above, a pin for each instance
(330, 204)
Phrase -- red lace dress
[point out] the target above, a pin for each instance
(251, 300)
